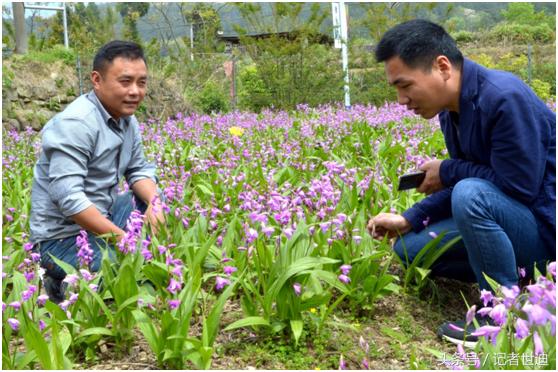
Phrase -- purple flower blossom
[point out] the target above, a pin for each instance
(64, 305)
(174, 286)
(93, 287)
(552, 268)
(344, 278)
(521, 328)
(510, 294)
(488, 331)
(345, 269)
(85, 253)
(297, 288)
(364, 345)
(537, 314)
(173, 304)
(365, 363)
(41, 299)
(220, 283)
(357, 239)
(35, 257)
(16, 305)
(28, 246)
(470, 314)
(538, 344)
(342, 364)
(71, 279)
(228, 270)
(14, 324)
(146, 253)
(86, 275)
(499, 314)
(42, 325)
(521, 272)
(433, 235)
(486, 296)
(484, 311)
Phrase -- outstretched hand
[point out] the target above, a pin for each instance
(388, 224)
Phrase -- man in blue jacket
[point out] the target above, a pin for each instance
(497, 189)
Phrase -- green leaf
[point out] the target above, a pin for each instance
(95, 331)
(248, 322)
(146, 327)
(423, 273)
(35, 341)
(296, 328)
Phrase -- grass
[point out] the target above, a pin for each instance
(398, 330)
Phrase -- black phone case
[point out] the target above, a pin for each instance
(411, 180)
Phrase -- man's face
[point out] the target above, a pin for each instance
(421, 91)
(122, 86)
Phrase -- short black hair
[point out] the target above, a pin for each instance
(418, 42)
(117, 48)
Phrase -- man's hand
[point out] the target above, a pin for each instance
(388, 224)
(432, 182)
(154, 215)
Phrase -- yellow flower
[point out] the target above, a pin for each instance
(313, 310)
(236, 131)
(317, 369)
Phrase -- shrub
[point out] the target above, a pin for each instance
(522, 33)
(212, 99)
(252, 94)
(464, 37)
(542, 89)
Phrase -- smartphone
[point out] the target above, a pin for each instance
(411, 180)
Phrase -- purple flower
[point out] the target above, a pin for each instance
(342, 364)
(42, 325)
(499, 314)
(536, 293)
(14, 324)
(297, 288)
(288, 232)
(71, 279)
(27, 294)
(73, 298)
(521, 328)
(537, 315)
(486, 296)
(173, 304)
(4, 306)
(220, 283)
(365, 363)
(41, 299)
(229, 270)
(552, 268)
(16, 305)
(484, 311)
(510, 295)
(174, 286)
(426, 222)
(470, 314)
(357, 239)
(64, 305)
(35, 257)
(521, 272)
(85, 274)
(345, 269)
(146, 253)
(433, 235)
(364, 345)
(85, 253)
(93, 287)
(538, 343)
(268, 230)
(344, 278)
(487, 331)
(28, 246)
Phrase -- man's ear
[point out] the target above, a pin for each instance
(96, 79)
(443, 64)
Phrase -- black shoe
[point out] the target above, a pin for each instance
(462, 336)
(54, 289)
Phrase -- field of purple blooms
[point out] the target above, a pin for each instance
(266, 234)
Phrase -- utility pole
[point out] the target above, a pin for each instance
(57, 8)
(191, 42)
(19, 25)
(340, 34)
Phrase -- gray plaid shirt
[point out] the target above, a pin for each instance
(85, 154)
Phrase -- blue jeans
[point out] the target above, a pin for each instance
(499, 234)
(66, 249)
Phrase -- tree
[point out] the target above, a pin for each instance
(19, 24)
(524, 14)
(130, 13)
(293, 66)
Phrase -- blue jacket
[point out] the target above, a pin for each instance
(505, 135)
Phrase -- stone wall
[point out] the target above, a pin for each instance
(33, 92)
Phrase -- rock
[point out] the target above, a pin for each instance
(12, 124)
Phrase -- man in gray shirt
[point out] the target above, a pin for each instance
(86, 151)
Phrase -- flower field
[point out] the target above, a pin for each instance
(264, 211)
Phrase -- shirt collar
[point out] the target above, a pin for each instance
(107, 118)
(469, 81)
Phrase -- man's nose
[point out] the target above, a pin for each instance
(402, 98)
(134, 90)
